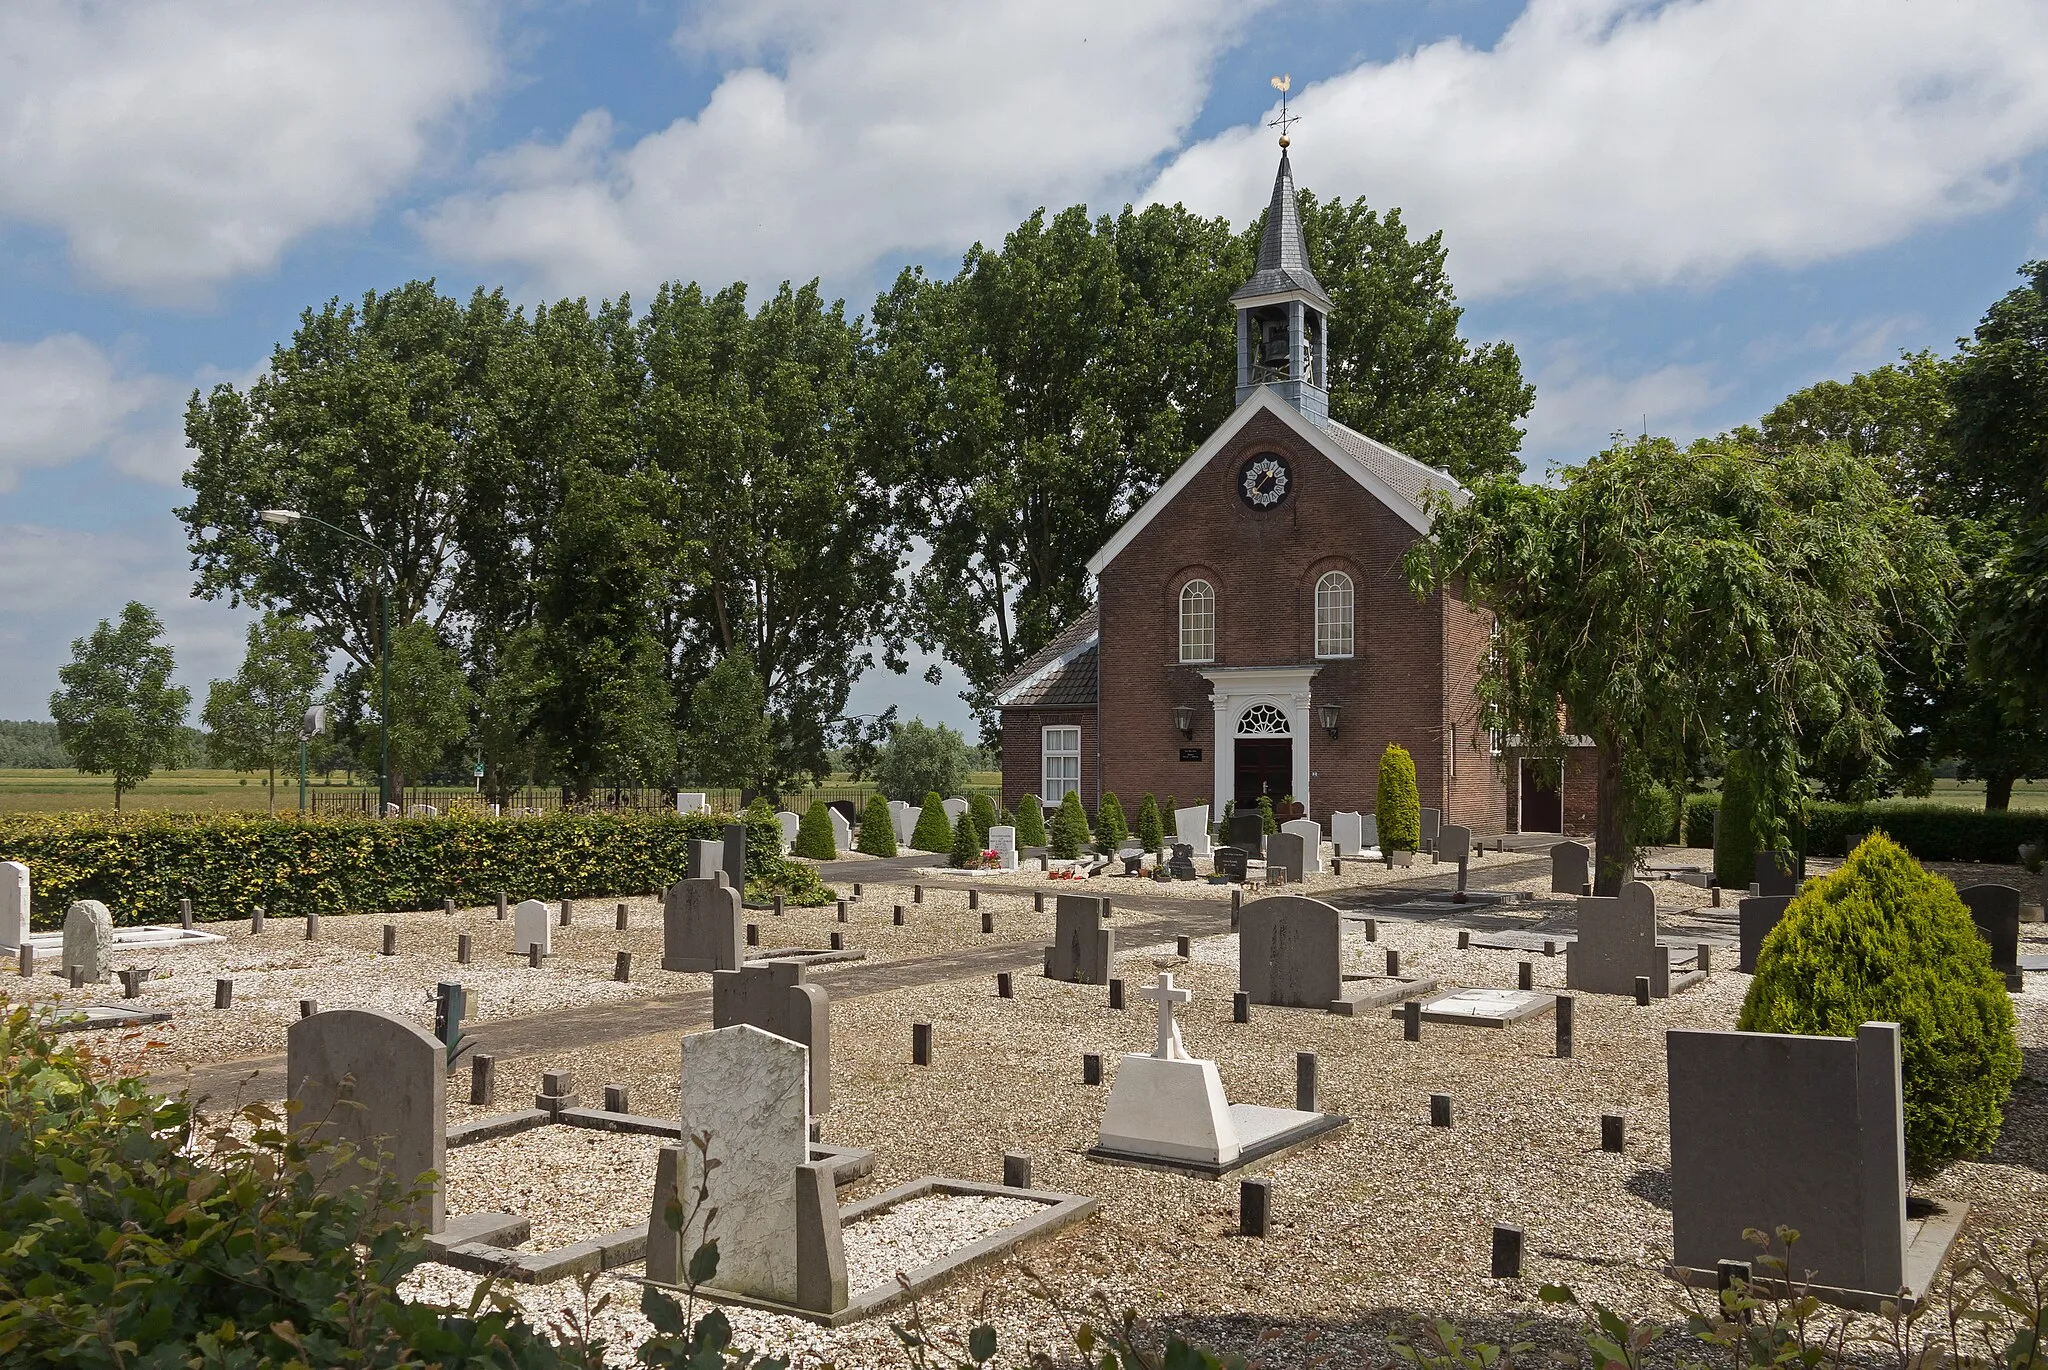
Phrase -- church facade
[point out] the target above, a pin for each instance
(1253, 630)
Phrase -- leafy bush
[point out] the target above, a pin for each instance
(1931, 832)
(1652, 814)
(1266, 814)
(877, 831)
(128, 1247)
(1399, 804)
(141, 864)
(985, 817)
(921, 758)
(1736, 846)
(1882, 940)
(1111, 829)
(814, 836)
(1151, 827)
(934, 831)
(1030, 822)
(1069, 828)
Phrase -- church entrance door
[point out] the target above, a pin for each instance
(1264, 766)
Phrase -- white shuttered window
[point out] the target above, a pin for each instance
(1062, 763)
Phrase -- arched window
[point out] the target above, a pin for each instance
(1263, 720)
(1333, 615)
(1197, 621)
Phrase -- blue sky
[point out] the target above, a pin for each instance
(1676, 212)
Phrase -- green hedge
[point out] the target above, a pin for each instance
(1931, 832)
(141, 865)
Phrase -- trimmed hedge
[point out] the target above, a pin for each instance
(141, 864)
(1111, 827)
(1736, 845)
(1881, 940)
(877, 829)
(1399, 803)
(1931, 832)
(1030, 822)
(934, 830)
(815, 839)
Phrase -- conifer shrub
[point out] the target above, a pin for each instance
(1030, 822)
(1272, 824)
(1399, 804)
(1735, 843)
(934, 831)
(1881, 940)
(814, 837)
(1069, 831)
(1110, 826)
(877, 831)
(1151, 827)
(966, 848)
(985, 816)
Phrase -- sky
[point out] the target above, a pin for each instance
(1677, 212)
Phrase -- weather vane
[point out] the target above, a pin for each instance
(1283, 84)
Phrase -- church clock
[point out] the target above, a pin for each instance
(1265, 480)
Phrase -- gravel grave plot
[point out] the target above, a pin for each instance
(1374, 1225)
(571, 1182)
(916, 1232)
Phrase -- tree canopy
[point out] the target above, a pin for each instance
(253, 721)
(115, 707)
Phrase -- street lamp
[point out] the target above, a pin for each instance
(285, 518)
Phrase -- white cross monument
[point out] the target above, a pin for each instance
(1166, 996)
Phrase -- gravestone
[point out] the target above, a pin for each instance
(1833, 1167)
(1084, 946)
(903, 819)
(1231, 862)
(789, 823)
(1571, 867)
(706, 858)
(734, 859)
(531, 927)
(1995, 909)
(702, 927)
(1181, 865)
(1246, 831)
(773, 997)
(954, 807)
(1369, 832)
(89, 941)
(1290, 952)
(1311, 835)
(1772, 879)
(1432, 826)
(1347, 833)
(1494, 1008)
(14, 906)
(1002, 840)
(379, 1084)
(1755, 917)
(1617, 942)
(1456, 841)
(842, 831)
(693, 802)
(1287, 855)
(1191, 827)
(749, 1090)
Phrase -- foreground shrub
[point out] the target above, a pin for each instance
(814, 837)
(1030, 822)
(1399, 804)
(877, 832)
(1882, 940)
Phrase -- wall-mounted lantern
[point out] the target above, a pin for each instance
(1184, 719)
(1329, 712)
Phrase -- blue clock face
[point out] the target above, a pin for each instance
(1265, 480)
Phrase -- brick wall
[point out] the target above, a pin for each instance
(1023, 739)
(1581, 790)
(1474, 793)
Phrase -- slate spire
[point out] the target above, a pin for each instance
(1283, 257)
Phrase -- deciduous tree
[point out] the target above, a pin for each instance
(115, 707)
(253, 721)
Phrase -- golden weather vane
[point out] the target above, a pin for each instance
(1286, 121)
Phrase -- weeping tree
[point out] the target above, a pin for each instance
(1661, 596)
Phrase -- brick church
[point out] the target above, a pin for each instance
(1253, 632)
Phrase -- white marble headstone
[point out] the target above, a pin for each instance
(89, 940)
(1002, 840)
(1311, 834)
(1346, 832)
(751, 1091)
(692, 801)
(904, 818)
(842, 831)
(532, 926)
(789, 823)
(14, 905)
(1191, 827)
(954, 807)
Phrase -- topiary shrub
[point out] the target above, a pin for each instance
(877, 830)
(1069, 831)
(985, 816)
(1881, 940)
(1399, 804)
(1151, 830)
(1111, 829)
(1030, 822)
(814, 837)
(934, 831)
(966, 848)
(1735, 843)
(1266, 817)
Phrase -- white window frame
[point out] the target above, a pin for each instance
(1338, 601)
(1061, 744)
(1197, 629)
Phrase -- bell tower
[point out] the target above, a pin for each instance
(1283, 312)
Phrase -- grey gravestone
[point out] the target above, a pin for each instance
(773, 997)
(1287, 854)
(378, 1083)
(734, 863)
(1290, 952)
(1571, 865)
(1230, 862)
(1773, 879)
(1083, 946)
(89, 940)
(1834, 1168)
(1246, 830)
(1432, 828)
(1995, 909)
(1755, 917)
(1181, 866)
(1617, 942)
(14, 906)
(702, 927)
(706, 859)
(1369, 831)
(1458, 841)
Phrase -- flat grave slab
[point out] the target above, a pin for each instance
(1364, 993)
(153, 936)
(98, 1017)
(1522, 941)
(1261, 1132)
(2033, 963)
(1494, 1008)
(810, 956)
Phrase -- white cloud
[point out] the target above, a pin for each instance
(1604, 144)
(176, 144)
(1578, 411)
(61, 398)
(895, 130)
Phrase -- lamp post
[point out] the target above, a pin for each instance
(285, 518)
